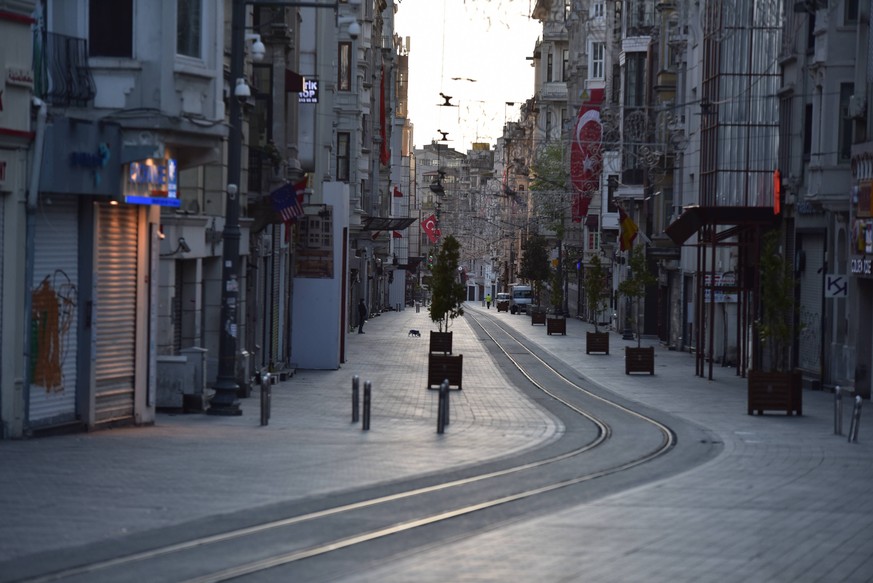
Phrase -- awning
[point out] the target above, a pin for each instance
(386, 224)
(293, 81)
(694, 217)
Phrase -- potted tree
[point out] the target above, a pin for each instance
(535, 268)
(447, 294)
(595, 295)
(639, 358)
(773, 385)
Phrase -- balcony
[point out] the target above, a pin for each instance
(65, 79)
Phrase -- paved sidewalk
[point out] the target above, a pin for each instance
(785, 501)
(70, 490)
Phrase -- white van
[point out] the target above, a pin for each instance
(521, 297)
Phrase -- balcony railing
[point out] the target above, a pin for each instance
(65, 79)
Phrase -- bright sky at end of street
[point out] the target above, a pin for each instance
(478, 53)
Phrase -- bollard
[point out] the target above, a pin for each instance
(838, 410)
(266, 397)
(443, 407)
(355, 398)
(365, 425)
(446, 402)
(856, 420)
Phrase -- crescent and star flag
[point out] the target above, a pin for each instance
(287, 202)
(397, 234)
(397, 193)
(586, 160)
(628, 228)
(429, 226)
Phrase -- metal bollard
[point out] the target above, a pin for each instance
(356, 398)
(365, 424)
(856, 420)
(442, 407)
(838, 410)
(266, 398)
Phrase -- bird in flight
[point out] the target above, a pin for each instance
(448, 99)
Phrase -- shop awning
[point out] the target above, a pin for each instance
(385, 224)
(695, 217)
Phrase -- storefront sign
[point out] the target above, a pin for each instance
(310, 91)
(862, 266)
(152, 182)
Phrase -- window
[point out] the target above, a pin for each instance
(595, 66)
(598, 9)
(549, 73)
(593, 240)
(807, 132)
(635, 64)
(565, 61)
(344, 71)
(568, 9)
(612, 186)
(845, 143)
(851, 12)
(189, 28)
(343, 156)
(110, 28)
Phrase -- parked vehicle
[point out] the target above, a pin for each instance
(503, 302)
(520, 298)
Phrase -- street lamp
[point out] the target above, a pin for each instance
(226, 401)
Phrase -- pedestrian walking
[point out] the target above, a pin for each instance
(488, 301)
(362, 315)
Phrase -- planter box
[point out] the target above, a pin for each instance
(441, 342)
(537, 317)
(441, 367)
(597, 342)
(775, 391)
(556, 326)
(639, 359)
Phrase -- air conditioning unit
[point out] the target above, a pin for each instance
(857, 106)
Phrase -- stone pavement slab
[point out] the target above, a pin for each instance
(70, 490)
(787, 500)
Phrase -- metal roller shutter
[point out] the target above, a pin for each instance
(811, 291)
(116, 297)
(55, 313)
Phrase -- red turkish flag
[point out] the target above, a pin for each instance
(429, 226)
(586, 160)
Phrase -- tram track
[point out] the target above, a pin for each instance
(604, 438)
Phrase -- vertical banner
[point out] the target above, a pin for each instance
(586, 157)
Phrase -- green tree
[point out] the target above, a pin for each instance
(535, 262)
(638, 279)
(447, 290)
(595, 288)
(775, 328)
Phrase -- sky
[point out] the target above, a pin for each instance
(475, 51)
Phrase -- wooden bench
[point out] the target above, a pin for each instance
(639, 359)
(440, 342)
(441, 367)
(556, 326)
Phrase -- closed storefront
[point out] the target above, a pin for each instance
(116, 302)
(55, 311)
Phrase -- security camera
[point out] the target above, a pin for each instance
(354, 30)
(242, 91)
(183, 246)
(258, 48)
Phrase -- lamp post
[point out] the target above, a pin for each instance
(225, 400)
